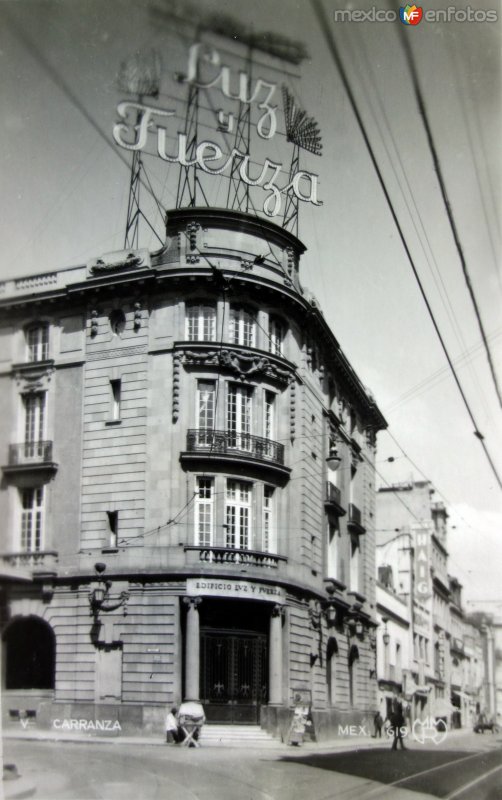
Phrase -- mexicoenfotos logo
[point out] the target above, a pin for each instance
(410, 15)
(429, 729)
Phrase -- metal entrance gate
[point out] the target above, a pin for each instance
(234, 675)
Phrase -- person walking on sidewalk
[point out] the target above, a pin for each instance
(378, 722)
(397, 722)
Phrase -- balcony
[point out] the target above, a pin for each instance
(229, 555)
(30, 457)
(355, 520)
(206, 444)
(333, 501)
(43, 562)
(457, 645)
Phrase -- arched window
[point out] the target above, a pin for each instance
(30, 654)
(353, 662)
(117, 321)
(331, 658)
(37, 342)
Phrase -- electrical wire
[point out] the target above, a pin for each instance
(415, 215)
(405, 42)
(324, 24)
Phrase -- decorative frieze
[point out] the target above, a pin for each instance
(94, 323)
(243, 364)
(176, 386)
(192, 229)
(118, 352)
(292, 410)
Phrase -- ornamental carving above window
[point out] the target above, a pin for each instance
(243, 364)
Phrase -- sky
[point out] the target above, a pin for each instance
(64, 190)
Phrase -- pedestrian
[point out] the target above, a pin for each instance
(378, 722)
(398, 727)
(173, 732)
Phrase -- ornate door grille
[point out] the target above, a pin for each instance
(233, 675)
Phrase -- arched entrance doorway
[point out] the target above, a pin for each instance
(30, 654)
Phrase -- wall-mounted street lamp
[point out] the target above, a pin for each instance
(330, 614)
(100, 599)
(333, 460)
(386, 634)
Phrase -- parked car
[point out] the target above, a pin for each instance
(483, 724)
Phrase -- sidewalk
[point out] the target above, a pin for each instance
(81, 737)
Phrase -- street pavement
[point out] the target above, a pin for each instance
(364, 769)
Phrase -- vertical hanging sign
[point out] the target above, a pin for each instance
(423, 588)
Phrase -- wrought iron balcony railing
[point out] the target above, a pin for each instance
(207, 440)
(39, 452)
(354, 514)
(333, 493)
(355, 519)
(230, 555)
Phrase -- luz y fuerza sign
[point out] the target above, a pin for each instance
(140, 122)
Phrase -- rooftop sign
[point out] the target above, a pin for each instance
(140, 124)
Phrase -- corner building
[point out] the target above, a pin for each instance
(188, 473)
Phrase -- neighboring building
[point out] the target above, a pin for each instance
(445, 672)
(490, 628)
(467, 662)
(495, 689)
(406, 624)
(393, 640)
(171, 426)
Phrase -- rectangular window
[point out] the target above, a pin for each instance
(206, 407)
(37, 340)
(275, 336)
(116, 395)
(239, 416)
(238, 515)
(398, 661)
(113, 526)
(32, 520)
(201, 323)
(204, 513)
(242, 326)
(269, 538)
(269, 416)
(333, 548)
(354, 563)
(34, 419)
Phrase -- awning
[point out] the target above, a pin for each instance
(463, 695)
(442, 707)
(423, 690)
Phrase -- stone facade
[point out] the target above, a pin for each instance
(189, 474)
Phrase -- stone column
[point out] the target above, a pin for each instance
(275, 657)
(192, 649)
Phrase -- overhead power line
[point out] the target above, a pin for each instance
(444, 194)
(324, 24)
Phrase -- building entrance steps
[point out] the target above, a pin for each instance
(236, 736)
